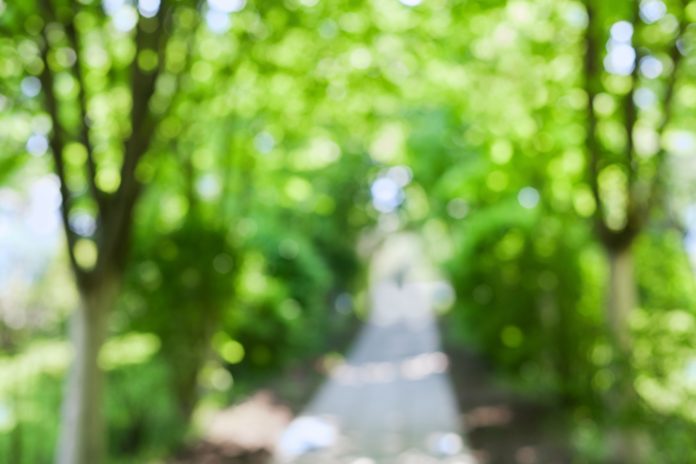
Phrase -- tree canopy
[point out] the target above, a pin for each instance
(204, 176)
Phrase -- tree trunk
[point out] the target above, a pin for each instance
(82, 438)
(627, 444)
(621, 297)
(186, 350)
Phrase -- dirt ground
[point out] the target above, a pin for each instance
(502, 427)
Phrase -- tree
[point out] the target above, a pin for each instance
(626, 179)
(104, 195)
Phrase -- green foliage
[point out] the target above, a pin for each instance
(140, 423)
(265, 134)
(519, 278)
(180, 286)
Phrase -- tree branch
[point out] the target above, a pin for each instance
(85, 139)
(591, 144)
(667, 115)
(633, 213)
(57, 144)
(629, 106)
(118, 217)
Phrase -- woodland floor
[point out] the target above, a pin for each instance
(503, 427)
(398, 398)
(500, 427)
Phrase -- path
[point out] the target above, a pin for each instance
(391, 402)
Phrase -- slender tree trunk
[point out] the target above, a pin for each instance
(82, 429)
(621, 297)
(186, 351)
(628, 444)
